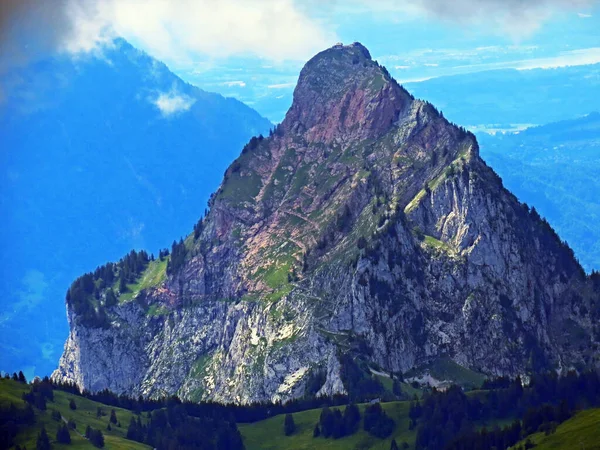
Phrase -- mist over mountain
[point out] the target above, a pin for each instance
(102, 153)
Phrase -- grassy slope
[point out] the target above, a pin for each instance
(579, 432)
(84, 415)
(407, 389)
(268, 434)
(155, 273)
(446, 369)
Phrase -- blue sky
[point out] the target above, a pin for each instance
(254, 49)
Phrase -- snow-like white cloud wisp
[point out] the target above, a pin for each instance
(171, 103)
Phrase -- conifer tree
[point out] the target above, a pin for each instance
(62, 435)
(111, 298)
(316, 431)
(43, 443)
(122, 283)
(288, 425)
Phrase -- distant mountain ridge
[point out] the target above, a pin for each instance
(98, 156)
(512, 99)
(365, 234)
(555, 167)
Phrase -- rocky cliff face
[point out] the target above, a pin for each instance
(366, 225)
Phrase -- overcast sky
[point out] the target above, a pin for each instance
(254, 49)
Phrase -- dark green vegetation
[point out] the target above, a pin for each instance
(92, 294)
(335, 424)
(555, 168)
(45, 415)
(503, 414)
(551, 411)
(580, 431)
(22, 421)
(288, 425)
(268, 434)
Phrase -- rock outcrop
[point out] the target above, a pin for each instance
(366, 225)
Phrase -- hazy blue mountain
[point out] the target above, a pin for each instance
(100, 155)
(556, 168)
(504, 98)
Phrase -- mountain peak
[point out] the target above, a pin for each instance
(343, 94)
(367, 229)
(354, 48)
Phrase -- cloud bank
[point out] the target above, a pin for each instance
(175, 32)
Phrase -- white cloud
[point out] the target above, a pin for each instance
(173, 31)
(281, 85)
(584, 15)
(401, 67)
(431, 64)
(234, 83)
(170, 103)
(570, 58)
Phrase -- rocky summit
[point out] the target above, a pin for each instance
(364, 234)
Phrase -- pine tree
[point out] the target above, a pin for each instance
(326, 421)
(43, 443)
(62, 435)
(122, 284)
(96, 438)
(72, 405)
(132, 430)
(317, 431)
(288, 425)
(111, 298)
(113, 416)
(397, 388)
(394, 446)
(351, 418)
(22, 377)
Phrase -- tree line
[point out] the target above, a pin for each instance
(92, 293)
(449, 419)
